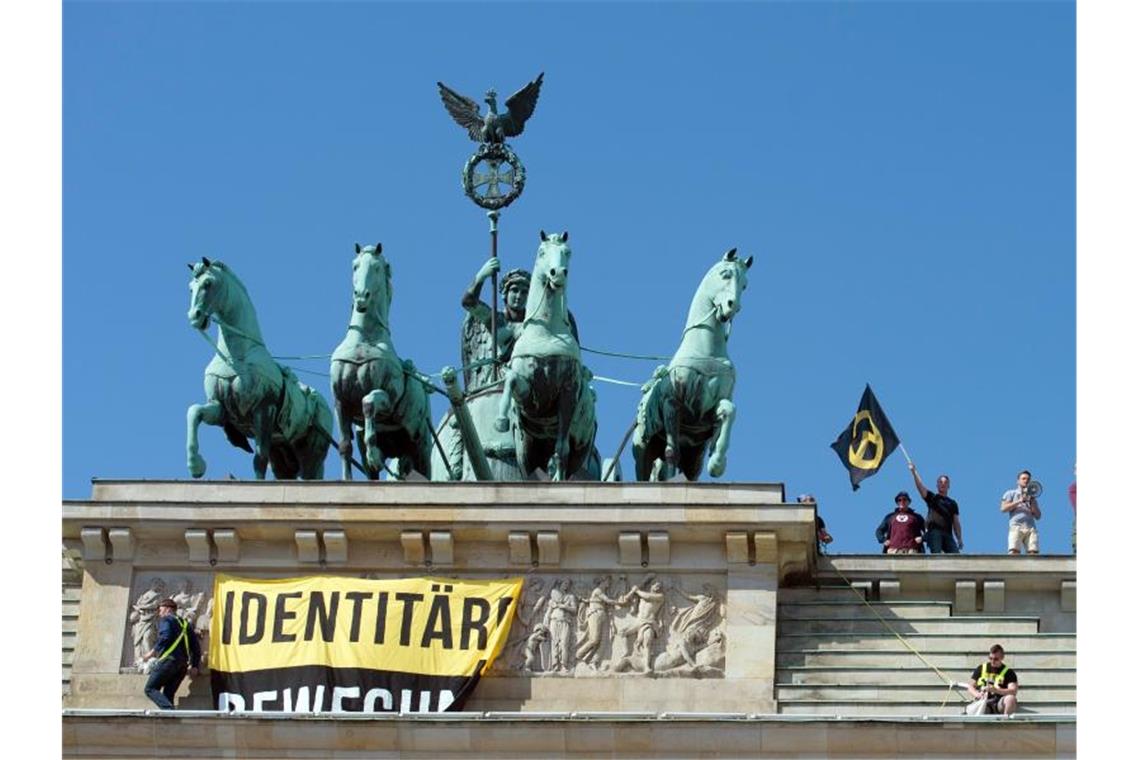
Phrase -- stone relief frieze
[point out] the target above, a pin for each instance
(567, 625)
(193, 593)
(608, 625)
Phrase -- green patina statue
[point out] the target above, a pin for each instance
(375, 391)
(546, 392)
(689, 403)
(476, 344)
(247, 393)
(483, 391)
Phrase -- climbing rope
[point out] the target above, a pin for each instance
(951, 685)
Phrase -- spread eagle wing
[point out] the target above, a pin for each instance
(519, 108)
(464, 110)
(475, 345)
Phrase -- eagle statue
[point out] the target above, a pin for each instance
(492, 127)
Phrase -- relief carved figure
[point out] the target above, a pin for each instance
(595, 619)
(711, 658)
(143, 620)
(570, 626)
(645, 627)
(532, 653)
(707, 607)
(682, 650)
(528, 615)
(561, 614)
(189, 603)
(202, 629)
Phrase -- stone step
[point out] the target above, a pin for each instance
(913, 674)
(71, 593)
(887, 610)
(978, 643)
(70, 624)
(926, 707)
(900, 656)
(905, 693)
(823, 594)
(990, 626)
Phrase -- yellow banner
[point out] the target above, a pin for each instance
(429, 626)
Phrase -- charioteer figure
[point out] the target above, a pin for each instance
(476, 338)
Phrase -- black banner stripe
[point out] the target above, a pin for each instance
(318, 688)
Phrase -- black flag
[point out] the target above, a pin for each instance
(867, 440)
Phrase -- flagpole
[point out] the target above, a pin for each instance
(903, 450)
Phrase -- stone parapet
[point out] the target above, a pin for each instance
(562, 734)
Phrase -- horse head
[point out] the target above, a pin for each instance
(553, 262)
(371, 279)
(206, 292)
(727, 280)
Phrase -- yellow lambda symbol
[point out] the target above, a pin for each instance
(872, 437)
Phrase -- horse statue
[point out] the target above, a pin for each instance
(689, 403)
(375, 392)
(247, 393)
(546, 395)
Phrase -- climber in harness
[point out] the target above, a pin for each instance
(993, 685)
(177, 650)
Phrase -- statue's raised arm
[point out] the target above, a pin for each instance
(476, 344)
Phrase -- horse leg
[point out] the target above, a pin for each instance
(422, 459)
(263, 418)
(211, 413)
(567, 400)
(314, 447)
(344, 421)
(376, 403)
(511, 382)
(725, 414)
(671, 419)
(692, 457)
(362, 447)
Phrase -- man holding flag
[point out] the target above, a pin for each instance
(942, 515)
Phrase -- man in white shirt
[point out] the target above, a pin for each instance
(1024, 513)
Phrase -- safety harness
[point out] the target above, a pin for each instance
(182, 639)
(986, 674)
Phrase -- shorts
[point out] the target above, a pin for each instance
(1019, 534)
(902, 551)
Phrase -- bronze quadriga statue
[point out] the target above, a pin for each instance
(546, 395)
(689, 403)
(379, 401)
(247, 393)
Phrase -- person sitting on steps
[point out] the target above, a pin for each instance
(996, 683)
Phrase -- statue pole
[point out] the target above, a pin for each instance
(493, 215)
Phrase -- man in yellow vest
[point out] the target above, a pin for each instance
(996, 682)
(177, 650)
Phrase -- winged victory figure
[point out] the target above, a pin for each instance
(493, 126)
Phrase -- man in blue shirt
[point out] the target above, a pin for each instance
(177, 650)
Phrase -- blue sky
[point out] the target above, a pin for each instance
(904, 174)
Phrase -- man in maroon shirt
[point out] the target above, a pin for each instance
(900, 532)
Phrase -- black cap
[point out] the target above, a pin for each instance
(901, 495)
